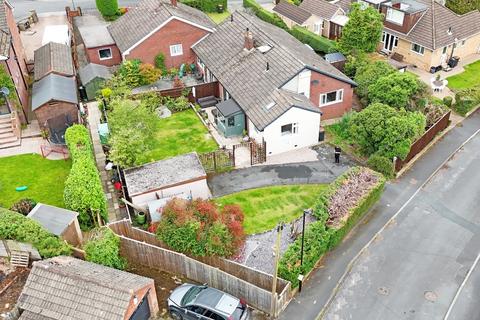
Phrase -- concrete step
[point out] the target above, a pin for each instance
(9, 139)
(6, 135)
(6, 129)
(6, 120)
(6, 125)
(5, 116)
(16, 143)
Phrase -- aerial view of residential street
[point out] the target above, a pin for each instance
(239, 159)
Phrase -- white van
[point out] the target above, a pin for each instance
(58, 34)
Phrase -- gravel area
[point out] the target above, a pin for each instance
(258, 251)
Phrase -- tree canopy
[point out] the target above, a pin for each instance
(107, 8)
(395, 89)
(362, 31)
(463, 6)
(388, 132)
(368, 74)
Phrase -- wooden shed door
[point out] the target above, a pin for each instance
(143, 310)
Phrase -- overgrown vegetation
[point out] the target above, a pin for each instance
(337, 210)
(206, 5)
(199, 228)
(317, 42)
(103, 247)
(362, 31)
(83, 189)
(463, 6)
(15, 226)
(24, 206)
(108, 8)
(265, 15)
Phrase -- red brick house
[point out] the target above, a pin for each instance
(160, 26)
(12, 55)
(281, 86)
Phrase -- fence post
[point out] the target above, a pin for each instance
(214, 161)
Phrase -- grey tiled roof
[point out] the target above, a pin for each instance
(54, 87)
(27, 315)
(4, 30)
(320, 8)
(292, 12)
(243, 73)
(163, 173)
(69, 288)
(54, 219)
(53, 58)
(432, 29)
(91, 71)
(147, 15)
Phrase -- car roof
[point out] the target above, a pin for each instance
(217, 300)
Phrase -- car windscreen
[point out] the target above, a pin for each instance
(191, 294)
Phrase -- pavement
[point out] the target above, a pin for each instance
(447, 254)
(323, 170)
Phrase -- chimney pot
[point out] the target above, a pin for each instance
(174, 2)
(248, 40)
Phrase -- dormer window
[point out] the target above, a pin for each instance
(395, 16)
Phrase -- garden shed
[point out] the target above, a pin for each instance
(92, 77)
(336, 59)
(53, 58)
(54, 96)
(61, 222)
(230, 119)
(181, 176)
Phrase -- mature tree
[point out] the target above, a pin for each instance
(386, 131)
(368, 74)
(131, 130)
(463, 6)
(107, 8)
(362, 31)
(395, 89)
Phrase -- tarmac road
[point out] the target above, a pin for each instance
(416, 265)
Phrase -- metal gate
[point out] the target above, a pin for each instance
(258, 151)
(217, 161)
(143, 310)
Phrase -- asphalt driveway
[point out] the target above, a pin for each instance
(322, 171)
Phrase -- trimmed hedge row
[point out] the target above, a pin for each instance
(317, 42)
(104, 248)
(15, 226)
(320, 238)
(206, 5)
(83, 191)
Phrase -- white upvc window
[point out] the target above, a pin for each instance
(105, 54)
(176, 50)
(317, 27)
(395, 16)
(331, 97)
(418, 49)
(288, 129)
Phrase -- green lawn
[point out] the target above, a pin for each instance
(264, 208)
(467, 79)
(44, 178)
(218, 17)
(183, 132)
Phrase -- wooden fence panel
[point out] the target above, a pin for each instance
(255, 286)
(424, 140)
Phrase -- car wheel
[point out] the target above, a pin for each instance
(176, 315)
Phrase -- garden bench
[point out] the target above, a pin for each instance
(206, 102)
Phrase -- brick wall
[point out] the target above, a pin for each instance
(320, 84)
(140, 294)
(93, 56)
(174, 32)
(49, 111)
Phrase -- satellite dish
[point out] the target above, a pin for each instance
(5, 91)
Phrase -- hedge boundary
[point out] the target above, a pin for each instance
(316, 42)
(319, 238)
(206, 5)
(15, 226)
(83, 191)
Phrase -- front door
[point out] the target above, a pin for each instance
(389, 42)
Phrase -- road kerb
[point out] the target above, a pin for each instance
(352, 262)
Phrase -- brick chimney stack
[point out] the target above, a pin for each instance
(248, 40)
(174, 2)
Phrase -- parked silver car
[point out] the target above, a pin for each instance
(192, 302)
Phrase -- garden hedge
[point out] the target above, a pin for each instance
(104, 248)
(206, 5)
(15, 226)
(265, 15)
(83, 191)
(319, 238)
(317, 42)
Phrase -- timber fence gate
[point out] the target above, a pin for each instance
(238, 280)
(424, 140)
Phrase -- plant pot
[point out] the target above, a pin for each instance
(141, 218)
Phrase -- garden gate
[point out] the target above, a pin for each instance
(218, 160)
(257, 151)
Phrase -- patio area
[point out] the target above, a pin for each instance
(427, 76)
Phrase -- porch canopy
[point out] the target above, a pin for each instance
(228, 108)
